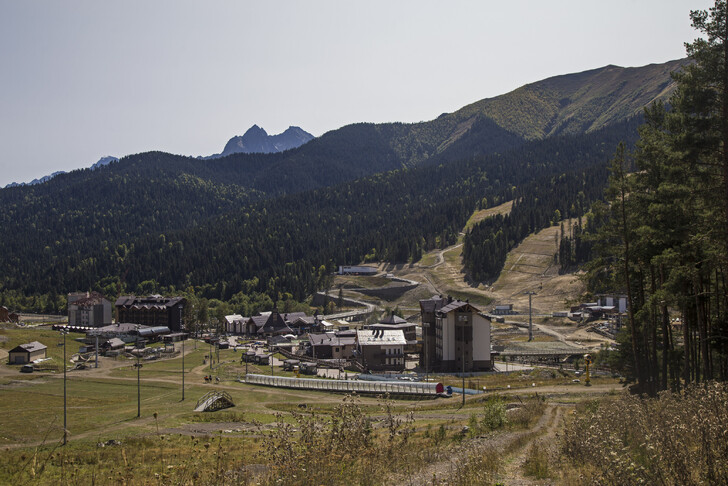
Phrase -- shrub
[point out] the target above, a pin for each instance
(494, 414)
(676, 438)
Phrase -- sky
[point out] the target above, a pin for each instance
(80, 80)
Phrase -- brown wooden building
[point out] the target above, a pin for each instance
(381, 349)
(153, 310)
(25, 353)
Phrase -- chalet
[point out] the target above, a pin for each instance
(267, 324)
(153, 310)
(4, 314)
(333, 345)
(381, 349)
(88, 309)
(235, 324)
(272, 323)
(27, 353)
(300, 323)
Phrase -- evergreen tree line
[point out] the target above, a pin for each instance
(288, 244)
(665, 240)
(535, 206)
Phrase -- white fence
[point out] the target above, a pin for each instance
(379, 387)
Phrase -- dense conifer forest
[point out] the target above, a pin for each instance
(284, 242)
(374, 192)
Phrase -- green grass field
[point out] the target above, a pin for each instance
(170, 443)
(52, 339)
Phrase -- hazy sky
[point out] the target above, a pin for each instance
(84, 79)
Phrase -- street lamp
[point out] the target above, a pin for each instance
(530, 294)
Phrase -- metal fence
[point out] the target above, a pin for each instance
(378, 387)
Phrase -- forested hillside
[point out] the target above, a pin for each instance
(181, 221)
(284, 241)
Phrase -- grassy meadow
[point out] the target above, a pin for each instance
(514, 431)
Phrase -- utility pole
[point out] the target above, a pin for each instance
(530, 294)
(462, 343)
(138, 366)
(183, 369)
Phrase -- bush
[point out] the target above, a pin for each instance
(494, 414)
(676, 438)
(342, 448)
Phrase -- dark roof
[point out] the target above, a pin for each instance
(28, 347)
(274, 324)
(150, 301)
(392, 319)
(317, 339)
(403, 325)
(292, 316)
(458, 305)
(114, 343)
(432, 304)
(259, 321)
(154, 331)
(308, 320)
(331, 339)
(277, 340)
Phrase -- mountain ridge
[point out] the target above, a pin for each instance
(257, 140)
(72, 221)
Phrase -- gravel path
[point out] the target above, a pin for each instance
(447, 461)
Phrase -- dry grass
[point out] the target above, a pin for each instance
(673, 439)
(480, 215)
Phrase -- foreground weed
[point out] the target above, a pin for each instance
(676, 438)
(537, 462)
(338, 448)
